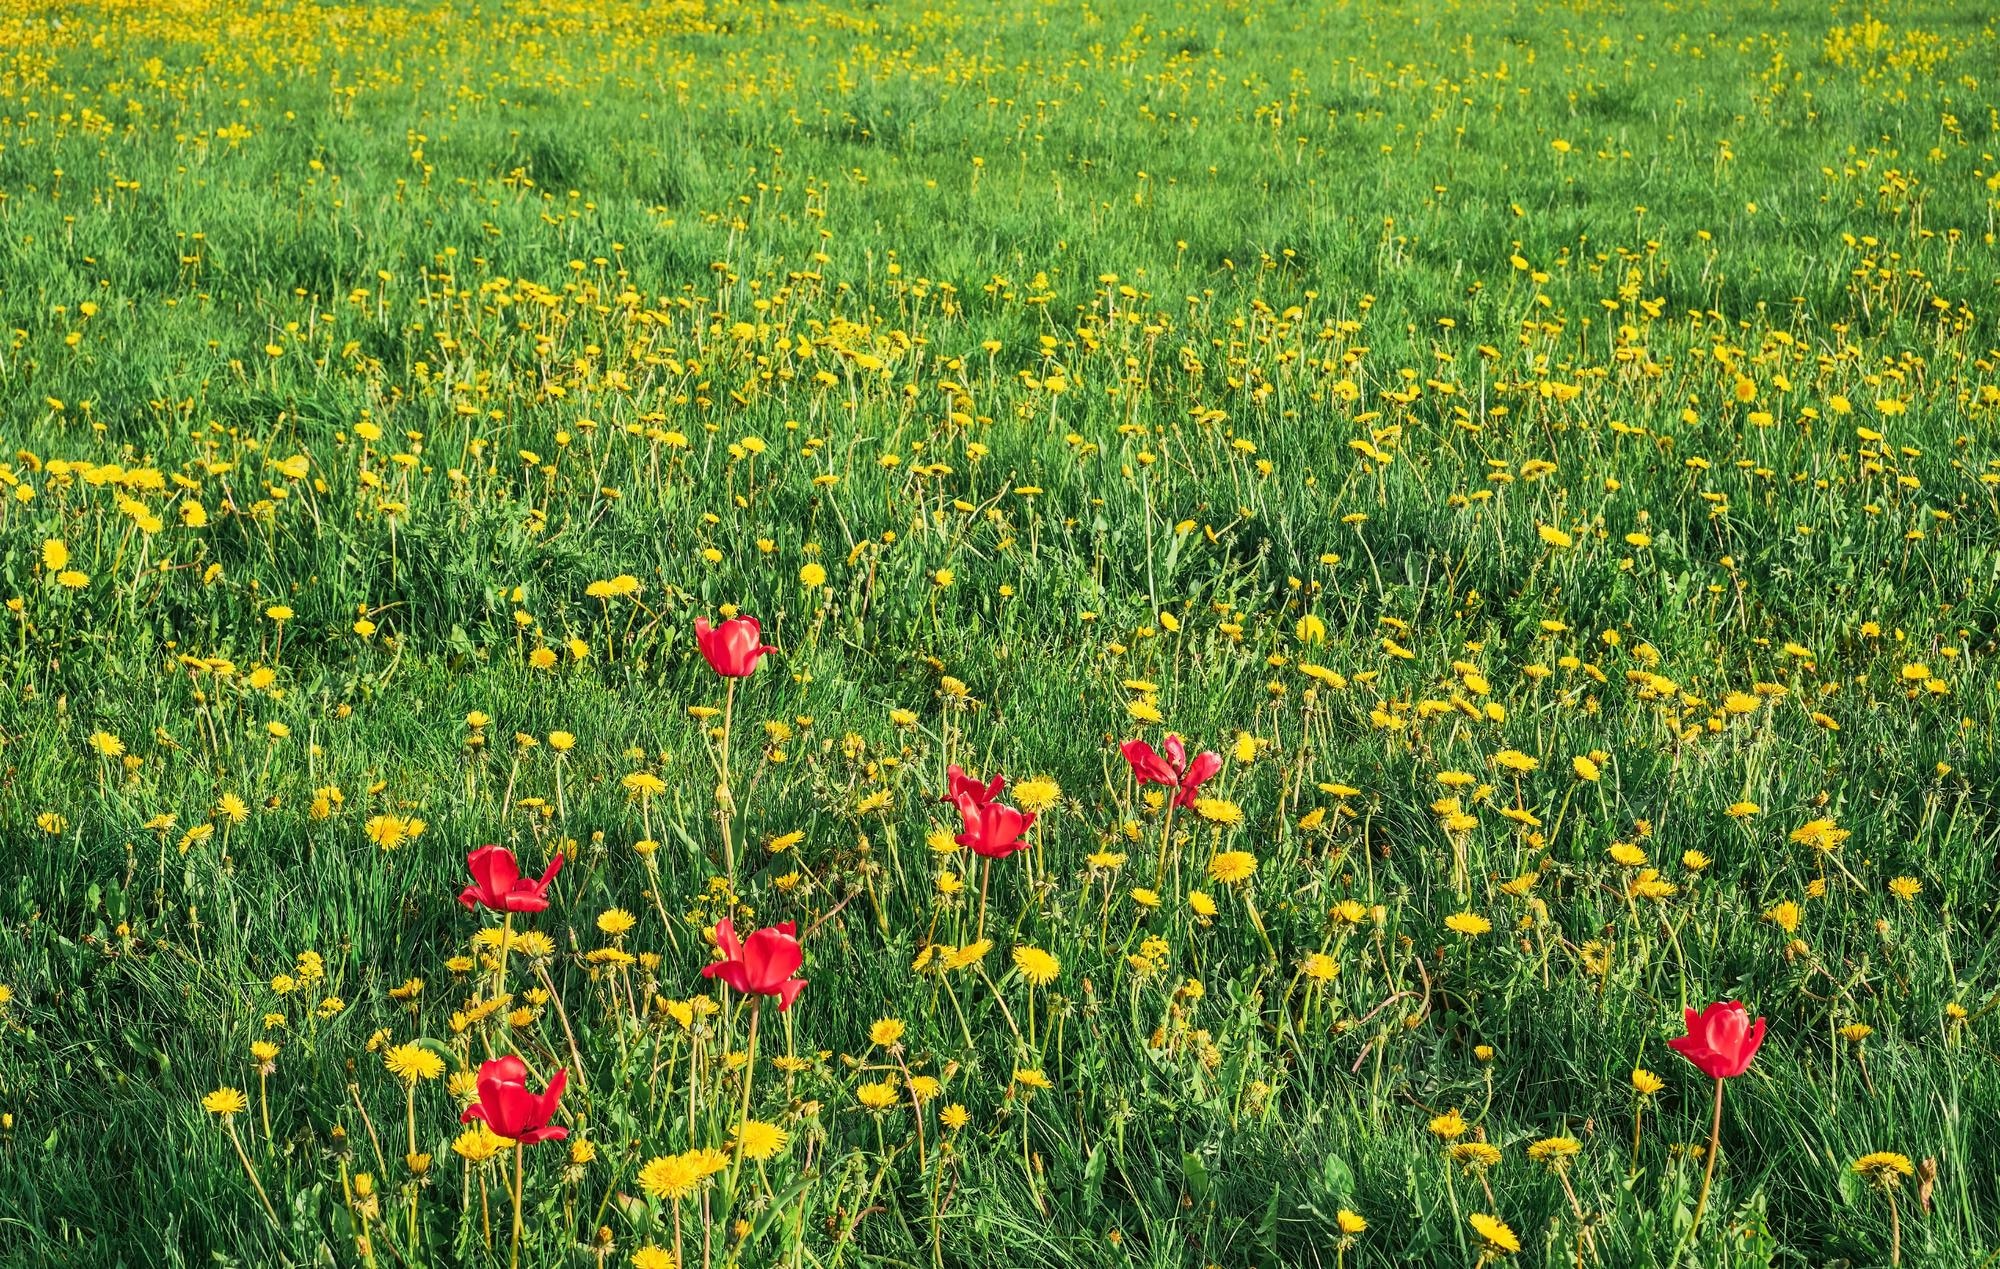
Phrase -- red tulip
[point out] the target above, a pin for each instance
(1720, 1040)
(509, 1109)
(1173, 768)
(765, 964)
(498, 884)
(733, 647)
(961, 783)
(992, 830)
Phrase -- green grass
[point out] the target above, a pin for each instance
(1346, 304)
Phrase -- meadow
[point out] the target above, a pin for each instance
(1333, 573)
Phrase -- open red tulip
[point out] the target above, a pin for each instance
(992, 830)
(765, 964)
(1721, 1040)
(497, 882)
(968, 785)
(733, 647)
(507, 1107)
(1172, 768)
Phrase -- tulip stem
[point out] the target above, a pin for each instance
(1166, 836)
(749, 1075)
(1708, 1173)
(985, 876)
(517, 1206)
(728, 798)
(506, 938)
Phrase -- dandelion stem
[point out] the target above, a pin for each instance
(229, 1126)
(1638, 1110)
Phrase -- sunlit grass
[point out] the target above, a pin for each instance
(1329, 572)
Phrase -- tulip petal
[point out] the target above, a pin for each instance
(788, 991)
(494, 871)
(769, 958)
(1147, 765)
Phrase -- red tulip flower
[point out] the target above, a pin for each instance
(765, 964)
(1172, 768)
(969, 786)
(497, 883)
(507, 1107)
(1721, 1040)
(993, 829)
(733, 647)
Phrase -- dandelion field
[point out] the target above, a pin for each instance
(1333, 574)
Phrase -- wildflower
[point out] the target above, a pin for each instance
(1884, 1169)
(413, 1062)
(1218, 810)
(478, 1143)
(507, 1107)
(1821, 834)
(1232, 866)
(1038, 794)
(675, 1176)
(879, 1096)
(1721, 1040)
(758, 1141)
(1470, 924)
(1173, 768)
(765, 964)
(1037, 966)
(1554, 1150)
(992, 830)
(1474, 1156)
(225, 1101)
(1449, 1126)
(885, 1033)
(958, 784)
(499, 886)
(1495, 1237)
(732, 648)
